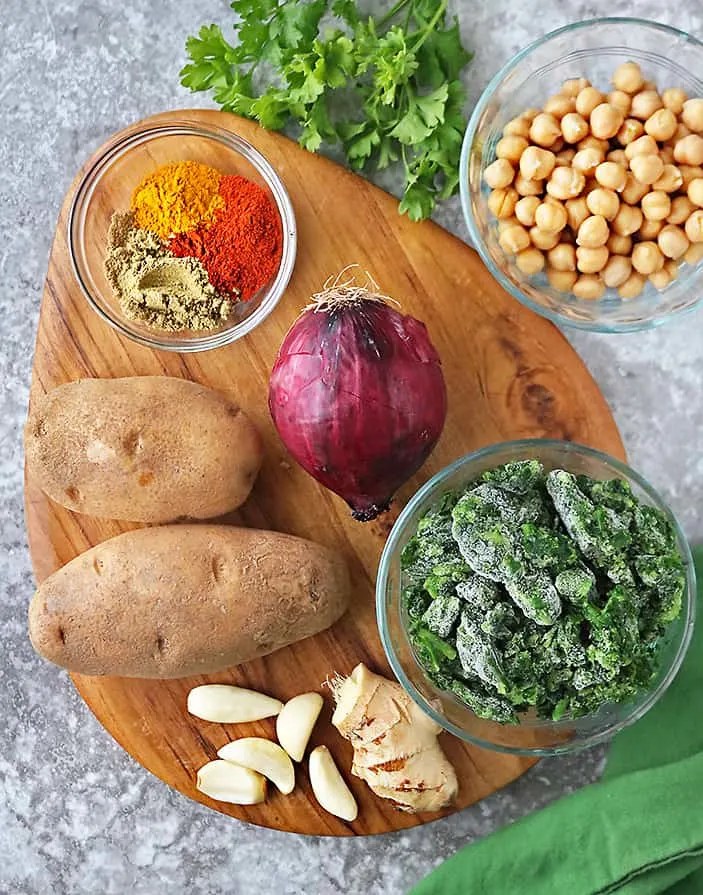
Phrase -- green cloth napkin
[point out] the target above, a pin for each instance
(638, 831)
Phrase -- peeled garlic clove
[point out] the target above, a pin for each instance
(296, 721)
(230, 705)
(263, 756)
(229, 783)
(329, 787)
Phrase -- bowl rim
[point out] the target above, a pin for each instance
(434, 484)
(138, 134)
(475, 237)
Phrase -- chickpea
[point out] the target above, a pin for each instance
(650, 229)
(536, 163)
(573, 86)
(559, 145)
(616, 271)
(514, 239)
(499, 174)
(674, 98)
(620, 100)
(561, 280)
(511, 148)
(543, 239)
(681, 210)
(634, 190)
(587, 100)
(671, 180)
(645, 104)
(587, 160)
(517, 127)
(525, 210)
(604, 202)
(590, 260)
(646, 258)
(695, 191)
(661, 125)
(592, 143)
(673, 242)
(681, 132)
(660, 279)
(545, 130)
(564, 158)
(633, 285)
(527, 187)
(502, 202)
(530, 261)
(647, 168)
(630, 130)
(628, 220)
(577, 211)
(530, 114)
(505, 224)
(562, 257)
(591, 184)
(565, 183)
(649, 85)
(588, 286)
(606, 121)
(641, 146)
(593, 232)
(689, 173)
(551, 217)
(619, 245)
(611, 175)
(694, 227)
(666, 154)
(560, 105)
(656, 206)
(673, 268)
(694, 254)
(574, 127)
(692, 114)
(689, 151)
(628, 77)
(618, 156)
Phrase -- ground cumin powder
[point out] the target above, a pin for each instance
(154, 286)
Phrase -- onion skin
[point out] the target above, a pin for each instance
(358, 397)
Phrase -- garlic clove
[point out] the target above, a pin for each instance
(230, 705)
(226, 782)
(263, 756)
(329, 787)
(296, 721)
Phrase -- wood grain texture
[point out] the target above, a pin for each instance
(510, 374)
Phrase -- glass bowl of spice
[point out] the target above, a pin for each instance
(181, 236)
(536, 597)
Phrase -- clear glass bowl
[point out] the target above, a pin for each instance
(532, 736)
(107, 186)
(591, 49)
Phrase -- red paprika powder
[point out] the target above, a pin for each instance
(241, 249)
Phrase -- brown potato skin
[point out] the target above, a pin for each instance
(179, 600)
(143, 449)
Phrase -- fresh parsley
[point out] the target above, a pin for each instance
(387, 89)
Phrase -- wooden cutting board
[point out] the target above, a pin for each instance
(510, 374)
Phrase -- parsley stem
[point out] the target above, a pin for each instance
(393, 12)
(430, 25)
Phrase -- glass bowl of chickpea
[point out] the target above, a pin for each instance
(582, 175)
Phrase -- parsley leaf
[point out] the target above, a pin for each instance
(389, 92)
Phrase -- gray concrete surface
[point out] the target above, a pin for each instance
(77, 815)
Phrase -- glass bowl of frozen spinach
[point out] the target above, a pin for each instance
(536, 597)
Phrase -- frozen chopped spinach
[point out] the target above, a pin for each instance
(541, 591)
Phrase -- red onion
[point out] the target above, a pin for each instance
(357, 395)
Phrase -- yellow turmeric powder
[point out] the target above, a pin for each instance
(177, 198)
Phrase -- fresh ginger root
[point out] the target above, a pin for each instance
(395, 744)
